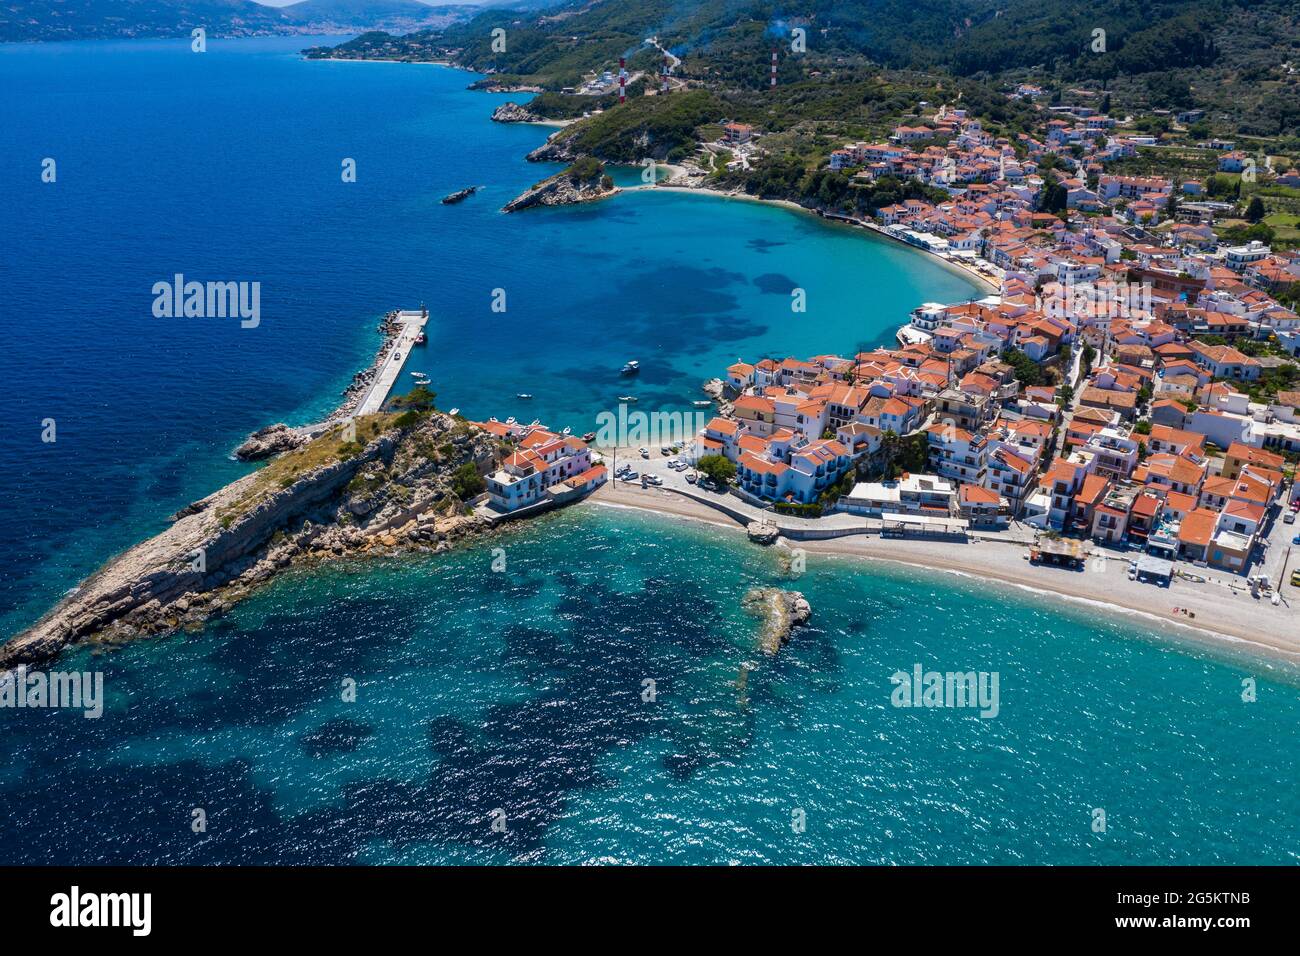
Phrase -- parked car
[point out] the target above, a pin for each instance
(1289, 518)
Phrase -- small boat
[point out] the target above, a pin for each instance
(631, 368)
(627, 398)
(420, 339)
(511, 421)
(456, 411)
(703, 404)
(567, 430)
(459, 195)
(590, 436)
(524, 395)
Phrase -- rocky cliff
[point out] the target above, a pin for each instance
(514, 113)
(584, 181)
(390, 486)
(268, 441)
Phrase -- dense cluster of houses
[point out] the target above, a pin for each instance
(1156, 442)
(990, 176)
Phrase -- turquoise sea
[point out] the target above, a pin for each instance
(522, 691)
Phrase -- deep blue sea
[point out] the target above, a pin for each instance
(519, 691)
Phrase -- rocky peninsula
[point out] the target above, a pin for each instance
(584, 181)
(380, 484)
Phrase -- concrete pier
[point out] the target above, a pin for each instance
(413, 323)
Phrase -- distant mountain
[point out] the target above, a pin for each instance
(25, 20)
(372, 14)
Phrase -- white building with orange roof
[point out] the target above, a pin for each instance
(544, 465)
(981, 507)
(719, 437)
(958, 454)
(740, 376)
(1011, 474)
(1172, 473)
(1163, 438)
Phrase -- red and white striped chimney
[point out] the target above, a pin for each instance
(664, 88)
(622, 80)
(773, 84)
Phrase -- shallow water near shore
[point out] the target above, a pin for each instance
(524, 691)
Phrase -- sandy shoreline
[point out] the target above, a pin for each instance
(955, 267)
(1223, 621)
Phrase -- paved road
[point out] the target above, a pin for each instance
(413, 323)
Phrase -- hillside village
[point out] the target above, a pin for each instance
(1134, 388)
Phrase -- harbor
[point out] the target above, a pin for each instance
(412, 325)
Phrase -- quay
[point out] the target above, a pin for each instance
(399, 350)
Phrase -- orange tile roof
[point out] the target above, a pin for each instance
(1198, 527)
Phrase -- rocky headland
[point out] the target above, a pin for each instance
(382, 484)
(268, 441)
(584, 181)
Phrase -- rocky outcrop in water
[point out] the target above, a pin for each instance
(782, 611)
(722, 393)
(760, 532)
(269, 441)
(388, 491)
(584, 181)
(514, 113)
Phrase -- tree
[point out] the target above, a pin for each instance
(1028, 372)
(1255, 210)
(418, 399)
(890, 447)
(1089, 353)
(717, 468)
(466, 482)
(915, 452)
